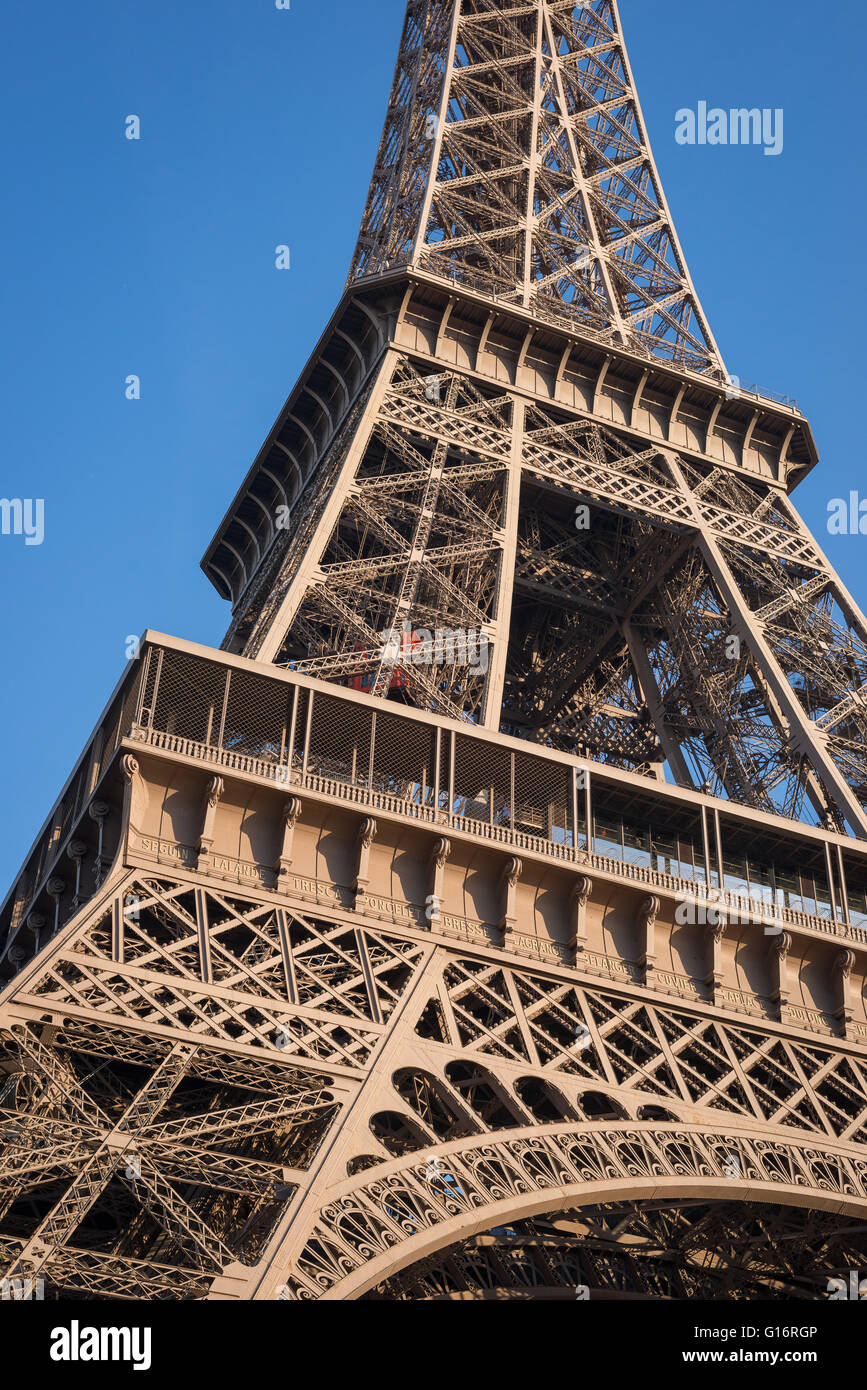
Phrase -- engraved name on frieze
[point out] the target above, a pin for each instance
(681, 984)
(391, 907)
(315, 888)
(168, 849)
(241, 868)
(812, 1018)
(463, 926)
(537, 946)
(747, 1003)
(219, 863)
(606, 965)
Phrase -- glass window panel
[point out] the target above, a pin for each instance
(808, 893)
(761, 885)
(735, 878)
(760, 890)
(688, 860)
(759, 874)
(608, 838)
(636, 842)
(665, 856)
(857, 900)
(823, 898)
(789, 885)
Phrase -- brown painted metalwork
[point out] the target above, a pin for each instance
(525, 951)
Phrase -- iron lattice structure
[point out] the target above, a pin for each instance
(514, 160)
(525, 950)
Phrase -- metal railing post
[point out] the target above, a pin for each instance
(224, 710)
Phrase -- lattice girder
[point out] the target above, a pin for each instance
(514, 160)
(617, 601)
(370, 975)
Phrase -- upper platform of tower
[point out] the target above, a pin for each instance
(515, 209)
(515, 161)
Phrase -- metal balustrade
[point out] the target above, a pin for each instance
(284, 729)
(382, 758)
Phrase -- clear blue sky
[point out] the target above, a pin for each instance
(156, 257)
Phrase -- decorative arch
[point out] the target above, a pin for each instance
(377, 1224)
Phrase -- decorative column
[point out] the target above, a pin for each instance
(645, 920)
(283, 863)
(781, 945)
(509, 876)
(578, 898)
(135, 794)
(844, 962)
(364, 839)
(717, 930)
(436, 878)
(213, 795)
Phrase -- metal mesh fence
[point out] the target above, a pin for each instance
(152, 662)
(257, 719)
(483, 781)
(298, 728)
(119, 719)
(339, 741)
(544, 799)
(446, 761)
(188, 697)
(403, 759)
(67, 811)
(83, 782)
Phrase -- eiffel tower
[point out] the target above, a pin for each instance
(487, 918)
